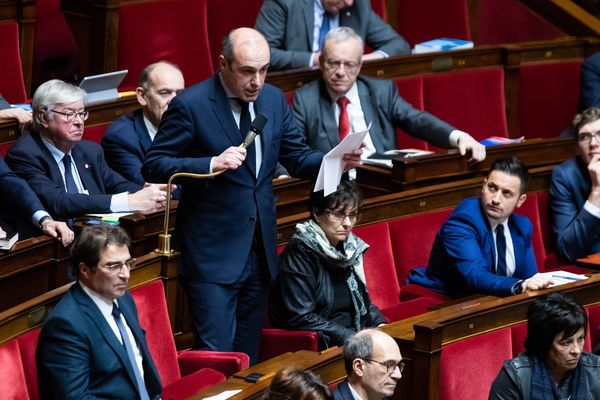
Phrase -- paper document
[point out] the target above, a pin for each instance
(333, 164)
(223, 395)
(563, 277)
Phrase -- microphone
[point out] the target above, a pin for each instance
(256, 128)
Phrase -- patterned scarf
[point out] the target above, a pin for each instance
(544, 388)
(311, 234)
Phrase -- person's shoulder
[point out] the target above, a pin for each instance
(467, 205)
(308, 89)
(593, 61)
(590, 360)
(88, 146)
(519, 362)
(194, 92)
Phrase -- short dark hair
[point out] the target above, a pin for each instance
(93, 240)
(585, 117)
(514, 167)
(145, 75)
(296, 384)
(548, 316)
(347, 194)
(357, 346)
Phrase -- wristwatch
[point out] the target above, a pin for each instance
(43, 219)
(518, 287)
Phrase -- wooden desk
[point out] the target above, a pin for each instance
(591, 262)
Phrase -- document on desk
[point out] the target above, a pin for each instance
(223, 395)
(563, 277)
(333, 164)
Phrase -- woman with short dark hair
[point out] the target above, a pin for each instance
(321, 284)
(554, 365)
(296, 384)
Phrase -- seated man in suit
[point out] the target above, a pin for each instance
(483, 247)
(590, 82)
(374, 366)
(69, 174)
(18, 201)
(343, 101)
(7, 113)
(575, 192)
(92, 345)
(127, 140)
(295, 30)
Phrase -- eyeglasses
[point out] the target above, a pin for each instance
(70, 115)
(335, 65)
(117, 266)
(339, 216)
(390, 365)
(587, 136)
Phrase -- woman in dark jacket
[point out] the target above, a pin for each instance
(321, 283)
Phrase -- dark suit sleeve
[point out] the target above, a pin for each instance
(590, 82)
(17, 193)
(271, 22)
(504, 386)
(381, 36)
(121, 153)
(113, 182)
(576, 230)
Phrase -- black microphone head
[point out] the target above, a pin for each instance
(258, 124)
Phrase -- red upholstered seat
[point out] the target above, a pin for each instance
(274, 342)
(548, 97)
(28, 347)
(518, 334)
(225, 15)
(174, 30)
(12, 86)
(411, 90)
(593, 324)
(13, 385)
(379, 7)
(530, 209)
(471, 100)
(423, 20)
(476, 359)
(95, 133)
(154, 319)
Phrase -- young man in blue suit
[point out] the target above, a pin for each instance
(483, 247)
(226, 226)
(295, 30)
(91, 344)
(127, 140)
(575, 192)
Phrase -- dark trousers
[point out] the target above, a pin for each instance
(229, 317)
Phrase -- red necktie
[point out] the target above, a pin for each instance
(344, 124)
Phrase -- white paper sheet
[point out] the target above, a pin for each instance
(223, 395)
(563, 277)
(333, 164)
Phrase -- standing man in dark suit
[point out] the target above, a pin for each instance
(18, 201)
(343, 101)
(127, 140)
(483, 247)
(295, 30)
(226, 226)
(92, 345)
(374, 366)
(69, 174)
(590, 82)
(575, 192)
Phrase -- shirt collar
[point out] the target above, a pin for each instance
(57, 154)
(105, 305)
(319, 7)
(351, 95)
(355, 394)
(150, 127)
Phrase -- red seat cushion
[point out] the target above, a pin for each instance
(594, 324)
(173, 30)
(471, 100)
(274, 342)
(410, 308)
(28, 347)
(518, 334)
(378, 7)
(187, 386)
(12, 86)
(476, 359)
(13, 385)
(227, 363)
(95, 133)
(411, 90)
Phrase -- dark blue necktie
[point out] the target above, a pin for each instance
(325, 26)
(116, 313)
(69, 181)
(244, 128)
(501, 249)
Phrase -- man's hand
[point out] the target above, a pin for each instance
(466, 144)
(352, 159)
(537, 282)
(594, 171)
(231, 158)
(58, 230)
(150, 197)
(23, 117)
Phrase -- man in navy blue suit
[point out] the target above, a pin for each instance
(374, 366)
(69, 174)
(91, 344)
(127, 140)
(483, 247)
(575, 192)
(226, 226)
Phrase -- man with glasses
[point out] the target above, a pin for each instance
(92, 345)
(575, 192)
(69, 174)
(342, 102)
(374, 366)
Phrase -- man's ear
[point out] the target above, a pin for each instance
(84, 270)
(358, 366)
(139, 93)
(223, 62)
(43, 117)
(522, 199)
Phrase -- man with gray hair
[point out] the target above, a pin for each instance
(374, 366)
(127, 140)
(69, 174)
(343, 101)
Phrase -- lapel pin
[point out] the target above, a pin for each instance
(87, 166)
(348, 14)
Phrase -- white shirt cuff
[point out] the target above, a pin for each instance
(210, 167)
(383, 53)
(35, 218)
(592, 209)
(119, 202)
(454, 136)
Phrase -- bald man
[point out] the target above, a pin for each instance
(127, 140)
(374, 366)
(226, 226)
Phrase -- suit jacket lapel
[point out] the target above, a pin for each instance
(142, 131)
(309, 17)
(85, 168)
(222, 111)
(326, 109)
(265, 137)
(55, 174)
(368, 104)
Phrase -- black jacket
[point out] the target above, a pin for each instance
(302, 297)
